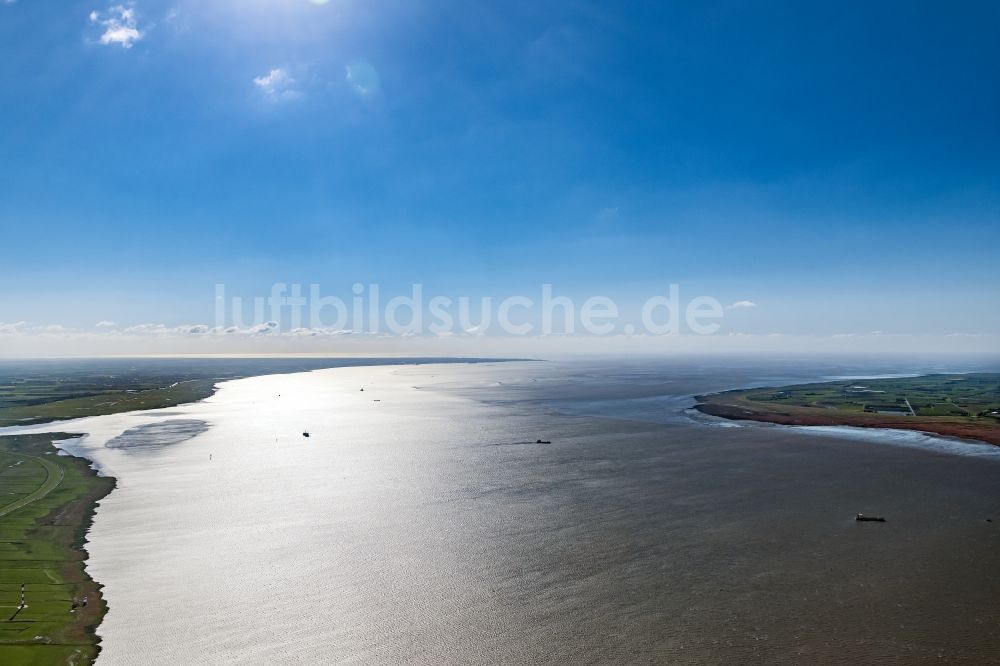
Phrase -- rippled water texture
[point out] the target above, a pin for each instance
(421, 522)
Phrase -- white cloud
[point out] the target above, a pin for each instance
(363, 78)
(277, 85)
(169, 331)
(119, 26)
(741, 305)
(161, 333)
(317, 332)
(263, 329)
(145, 329)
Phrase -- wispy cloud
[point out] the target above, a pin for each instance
(363, 78)
(741, 305)
(119, 25)
(277, 85)
(317, 332)
(869, 334)
(109, 330)
(159, 330)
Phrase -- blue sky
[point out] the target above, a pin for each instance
(835, 165)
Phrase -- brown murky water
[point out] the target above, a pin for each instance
(431, 527)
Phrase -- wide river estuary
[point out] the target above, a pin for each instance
(422, 521)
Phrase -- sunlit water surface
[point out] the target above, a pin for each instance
(421, 521)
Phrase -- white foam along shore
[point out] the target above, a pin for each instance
(912, 439)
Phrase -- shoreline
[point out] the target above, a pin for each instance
(114, 386)
(352, 494)
(78, 450)
(713, 406)
(65, 605)
(72, 506)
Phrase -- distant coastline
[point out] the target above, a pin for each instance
(942, 405)
(35, 392)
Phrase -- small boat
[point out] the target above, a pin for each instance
(543, 441)
(305, 434)
(862, 518)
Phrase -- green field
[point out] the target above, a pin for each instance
(953, 405)
(46, 501)
(973, 395)
(42, 391)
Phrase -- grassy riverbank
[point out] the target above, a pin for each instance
(47, 502)
(965, 405)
